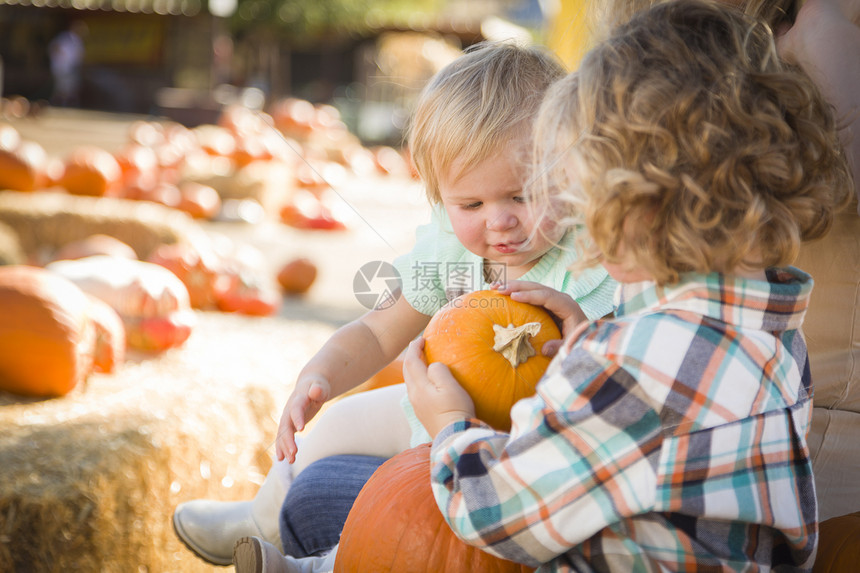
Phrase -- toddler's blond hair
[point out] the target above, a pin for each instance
(476, 105)
(687, 145)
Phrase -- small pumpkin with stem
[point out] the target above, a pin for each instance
(492, 345)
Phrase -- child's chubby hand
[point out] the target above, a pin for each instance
(436, 396)
(303, 404)
(561, 305)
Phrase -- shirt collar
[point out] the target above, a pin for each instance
(776, 304)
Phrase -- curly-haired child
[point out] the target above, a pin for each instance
(672, 436)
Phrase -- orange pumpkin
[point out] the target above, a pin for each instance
(134, 160)
(297, 276)
(110, 344)
(198, 200)
(24, 167)
(199, 272)
(46, 334)
(294, 117)
(838, 545)
(395, 525)
(304, 210)
(90, 170)
(492, 344)
(152, 302)
(248, 295)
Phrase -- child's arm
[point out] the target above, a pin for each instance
(568, 471)
(825, 42)
(352, 355)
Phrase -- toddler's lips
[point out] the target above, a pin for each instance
(508, 248)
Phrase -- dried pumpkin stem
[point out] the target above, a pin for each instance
(512, 342)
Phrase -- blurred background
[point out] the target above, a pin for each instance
(254, 149)
(185, 60)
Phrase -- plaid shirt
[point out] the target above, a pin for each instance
(672, 437)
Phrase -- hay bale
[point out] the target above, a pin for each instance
(266, 182)
(46, 221)
(89, 482)
(11, 252)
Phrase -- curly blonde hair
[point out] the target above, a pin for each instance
(685, 144)
(476, 105)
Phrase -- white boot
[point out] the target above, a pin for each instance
(211, 528)
(255, 555)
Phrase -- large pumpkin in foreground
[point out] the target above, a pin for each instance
(394, 525)
(492, 345)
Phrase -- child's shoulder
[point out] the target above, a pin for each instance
(638, 331)
(643, 343)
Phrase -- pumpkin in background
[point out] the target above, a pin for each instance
(198, 270)
(24, 167)
(395, 525)
(96, 244)
(46, 334)
(249, 294)
(297, 276)
(304, 210)
(492, 345)
(110, 345)
(252, 289)
(135, 160)
(198, 200)
(294, 117)
(215, 140)
(90, 170)
(152, 302)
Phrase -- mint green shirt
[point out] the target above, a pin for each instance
(439, 268)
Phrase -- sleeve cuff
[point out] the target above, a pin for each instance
(455, 428)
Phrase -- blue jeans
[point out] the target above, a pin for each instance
(318, 501)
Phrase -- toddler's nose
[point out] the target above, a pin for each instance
(501, 220)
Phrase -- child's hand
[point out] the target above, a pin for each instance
(558, 303)
(435, 395)
(303, 404)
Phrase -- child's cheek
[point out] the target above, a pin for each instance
(466, 228)
(550, 229)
